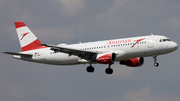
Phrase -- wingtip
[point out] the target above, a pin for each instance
(4, 52)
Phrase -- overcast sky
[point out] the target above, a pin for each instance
(71, 21)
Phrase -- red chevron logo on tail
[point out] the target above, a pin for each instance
(23, 35)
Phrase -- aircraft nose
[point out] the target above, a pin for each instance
(174, 46)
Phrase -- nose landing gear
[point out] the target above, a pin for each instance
(155, 63)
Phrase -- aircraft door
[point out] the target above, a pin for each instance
(43, 57)
(150, 42)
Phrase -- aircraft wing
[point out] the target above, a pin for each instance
(83, 54)
(13, 53)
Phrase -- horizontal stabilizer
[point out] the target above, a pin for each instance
(13, 53)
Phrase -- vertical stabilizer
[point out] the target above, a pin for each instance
(27, 39)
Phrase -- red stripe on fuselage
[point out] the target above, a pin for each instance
(19, 24)
(32, 46)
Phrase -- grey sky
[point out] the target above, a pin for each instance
(71, 21)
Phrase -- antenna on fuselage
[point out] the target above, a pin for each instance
(152, 34)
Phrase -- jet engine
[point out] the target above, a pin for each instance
(133, 62)
(106, 58)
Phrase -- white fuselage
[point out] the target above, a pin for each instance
(125, 48)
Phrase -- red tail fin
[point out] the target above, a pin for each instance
(27, 39)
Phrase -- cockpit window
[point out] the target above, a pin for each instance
(163, 40)
(168, 40)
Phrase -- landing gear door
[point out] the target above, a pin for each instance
(43, 57)
(150, 42)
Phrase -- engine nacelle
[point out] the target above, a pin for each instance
(106, 58)
(133, 62)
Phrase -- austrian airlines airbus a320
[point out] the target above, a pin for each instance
(128, 51)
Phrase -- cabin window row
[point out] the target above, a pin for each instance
(54, 52)
(100, 47)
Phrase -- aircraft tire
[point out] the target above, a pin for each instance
(109, 71)
(90, 69)
(156, 64)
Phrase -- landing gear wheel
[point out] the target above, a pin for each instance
(109, 71)
(90, 69)
(155, 59)
(156, 64)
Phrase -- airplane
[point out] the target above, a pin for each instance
(127, 51)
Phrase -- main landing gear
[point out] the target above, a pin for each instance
(155, 63)
(90, 69)
(108, 70)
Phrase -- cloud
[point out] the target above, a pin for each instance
(13, 88)
(111, 10)
(145, 94)
(174, 22)
(57, 21)
(55, 33)
(71, 7)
